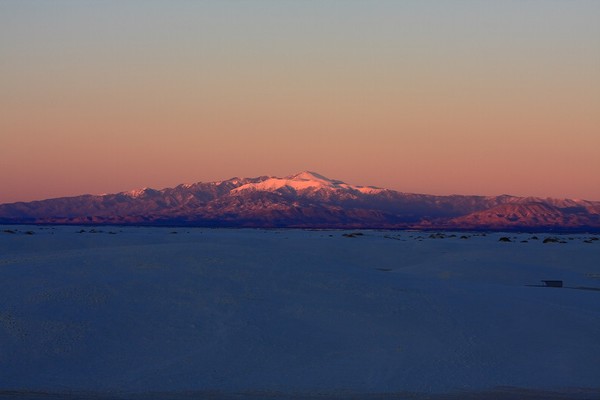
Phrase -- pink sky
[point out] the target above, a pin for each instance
(473, 98)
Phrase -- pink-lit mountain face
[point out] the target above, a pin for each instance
(307, 200)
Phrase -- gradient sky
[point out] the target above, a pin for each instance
(440, 97)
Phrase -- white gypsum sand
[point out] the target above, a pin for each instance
(295, 311)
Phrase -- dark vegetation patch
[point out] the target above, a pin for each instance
(553, 240)
(391, 237)
(437, 236)
(353, 234)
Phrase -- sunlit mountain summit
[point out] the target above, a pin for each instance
(307, 200)
(306, 180)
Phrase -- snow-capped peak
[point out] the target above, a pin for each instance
(311, 176)
(136, 192)
(139, 192)
(306, 180)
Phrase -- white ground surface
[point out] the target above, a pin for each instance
(292, 311)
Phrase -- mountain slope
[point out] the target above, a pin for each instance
(307, 199)
(533, 214)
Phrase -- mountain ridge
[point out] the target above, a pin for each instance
(306, 200)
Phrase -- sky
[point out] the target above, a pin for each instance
(440, 97)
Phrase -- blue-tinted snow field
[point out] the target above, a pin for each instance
(192, 313)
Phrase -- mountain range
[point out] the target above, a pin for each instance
(307, 200)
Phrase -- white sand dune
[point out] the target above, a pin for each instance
(298, 314)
